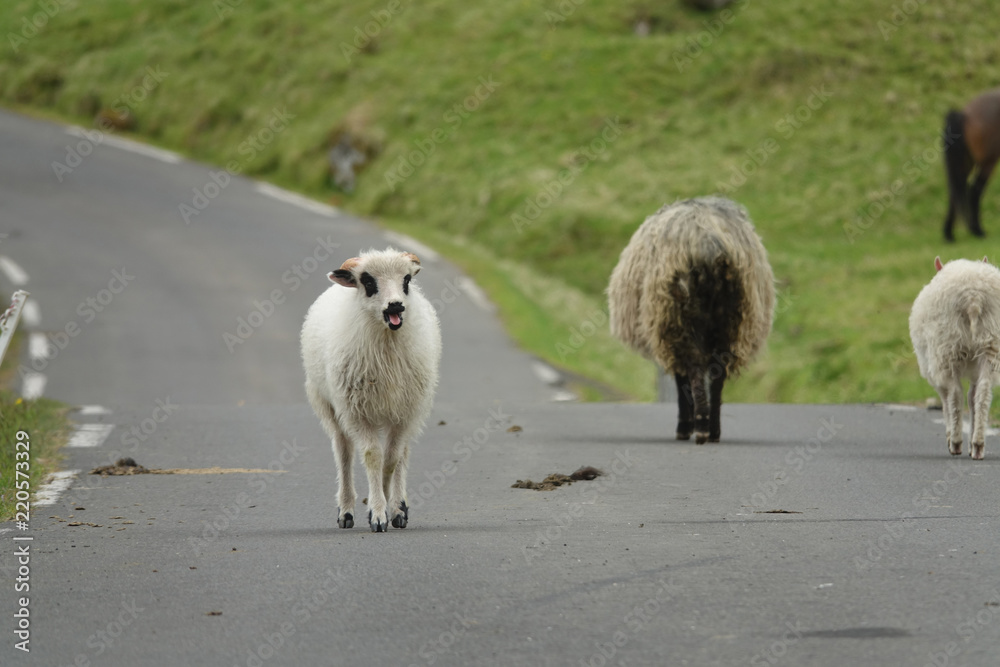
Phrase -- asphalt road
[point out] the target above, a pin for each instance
(884, 553)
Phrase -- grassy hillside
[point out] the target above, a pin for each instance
(530, 138)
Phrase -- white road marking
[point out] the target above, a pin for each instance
(94, 410)
(38, 345)
(15, 274)
(124, 144)
(898, 407)
(143, 149)
(49, 493)
(90, 435)
(408, 243)
(546, 373)
(563, 396)
(30, 315)
(476, 295)
(33, 386)
(296, 199)
(967, 427)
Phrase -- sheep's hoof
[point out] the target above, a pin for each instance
(701, 438)
(399, 521)
(684, 430)
(978, 451)
(714, 437)
(955, 447)
(683, 435)
(377, 526)
(345, 520)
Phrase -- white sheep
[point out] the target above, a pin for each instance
(371, 345)
(955, 329)
(693, 291)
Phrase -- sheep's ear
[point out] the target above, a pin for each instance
(937, 263)
(986, 258)
(342, 277)
(413, 258)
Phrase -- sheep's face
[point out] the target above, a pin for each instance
(383, 283)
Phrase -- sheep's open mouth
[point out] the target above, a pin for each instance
(395, 320)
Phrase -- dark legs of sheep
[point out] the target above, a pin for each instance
(699, 396)
(715, 419)
(685, 407)
(975, 195)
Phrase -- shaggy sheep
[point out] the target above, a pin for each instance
(955, 329)
(694, 292)
(371, 358)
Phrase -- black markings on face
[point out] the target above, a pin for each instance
(371, 287)
(406, 284)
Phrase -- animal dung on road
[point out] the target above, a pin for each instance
(555, 480)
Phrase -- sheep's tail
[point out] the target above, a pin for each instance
(957, 161)
(974, 312)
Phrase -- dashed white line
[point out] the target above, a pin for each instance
(898, 407)
(90, 435)
(407, 243)
(124, 144)
(476, 295)
(33, 386)
(94, 410)
(296, 199)
(563, 396)
(38, 345)
(546, 373)
(15, 274)
(30, 315)
(49, 493)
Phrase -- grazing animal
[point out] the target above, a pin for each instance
(971, 142)
(371, 346)
(693, 291)
(955, 329)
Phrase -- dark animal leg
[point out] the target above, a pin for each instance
(715, 419)
(958, 164)
(701, 407)
(975, 194)
(685, 407)
(949, 220)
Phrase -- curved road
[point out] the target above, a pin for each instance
(812, 535)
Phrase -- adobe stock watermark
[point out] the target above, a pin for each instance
(564, 520)
(563, 11)
(259, 483)
(786, 127)
(794, 463)
(431, 649)
(426, 146)
(248, 149)
(583, 157)
(866, 216)
(464, 449)
(578, 335)
(363, 35)
(294, 277)
(31, 26)
(923, 502)
(88, 310)
(901, 13)
(773, 654)
(124, 105)
(695, 45)
(142, 431)
(632, 624)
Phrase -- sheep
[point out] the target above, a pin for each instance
(693, 291)
(955, 329)
(371, 371)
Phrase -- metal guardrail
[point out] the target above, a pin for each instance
(9, 319)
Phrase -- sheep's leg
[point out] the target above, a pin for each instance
(685, 407)
(951, 400)
(397, 462)
(715, 417)
(374, 459)
(343, 453)
(980, 398)
(699, 395)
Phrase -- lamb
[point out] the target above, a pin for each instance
(693, 291)
(371, 357)
(955, 329)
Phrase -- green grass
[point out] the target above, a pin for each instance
(841, 335)
(45, 425)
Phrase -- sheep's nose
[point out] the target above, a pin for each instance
(395, 307)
